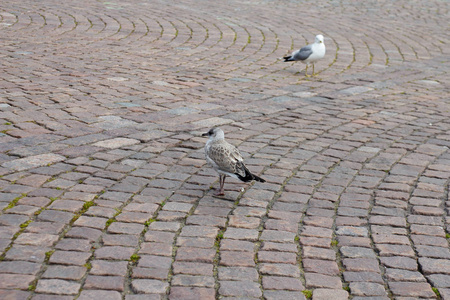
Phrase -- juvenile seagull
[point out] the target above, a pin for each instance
(226, 159)
(309, 54)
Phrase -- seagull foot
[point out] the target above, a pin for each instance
(219, 193)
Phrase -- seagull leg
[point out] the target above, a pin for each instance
(223, 183)
(313, 71)
(306, 71)
(220, 192)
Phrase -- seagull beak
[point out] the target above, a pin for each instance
(205, 134)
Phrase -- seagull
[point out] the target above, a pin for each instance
(226, 159)
(309, 54)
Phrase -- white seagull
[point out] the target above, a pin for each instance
(309, 54)
(226, 159)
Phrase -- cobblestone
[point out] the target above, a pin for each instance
(104, 282)
(98, 294)
(149, 286)
(57, 286)
(240, 289)
(64, 272)
(105, 191)
(322, 294)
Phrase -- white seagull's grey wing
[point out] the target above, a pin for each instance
(227, 158)
(303, 53)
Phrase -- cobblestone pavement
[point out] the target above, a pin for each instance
(104, 189)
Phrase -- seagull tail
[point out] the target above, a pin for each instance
(249, 176)
(288, 58)
(257, 178)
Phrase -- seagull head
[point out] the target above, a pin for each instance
(215, 133)
(319, 39)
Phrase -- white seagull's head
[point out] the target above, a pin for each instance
(319, 39)
(215, 133)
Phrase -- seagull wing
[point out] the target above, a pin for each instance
(226, 157)
(303, 53)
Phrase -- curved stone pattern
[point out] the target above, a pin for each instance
(104, 189)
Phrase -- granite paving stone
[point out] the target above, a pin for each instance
(64, 272)
(125, 228)
(195, 254)
(20, 267)
(57, 286)
(152, 261)
(400, 262)
(133, 217)
(277, 236)
(47, 227)
(15, 281)
(190, 280)
(277, 257)
(27, 210)
(70, 257)
(192, 268)
(315, 280)
(361, 265)
(322, 294)
(240, 221)
(393, 250)
(279, 269)
(282, 283)
(315, 242)
(37, 239)
(150, 273)
(241, 234)
(105, 267)
(325, 267)
(104, 282)
(27, 253)
(412, 289)
(99, 294)
(238, 273)
(127, 240)
(271, 246)
(350, 276)
(14, 294)
(240, 289)
(159, 236)
(318, 253)
(355, 252)
(430, 265)
(367, 289)
(404, 275)
(93, 222)
(290, 295)
(195, 242)
(439, 280)
(52, 297)
(237, 245)
(156, 249)
(149, 286)
(78, 232)
(237, 259)
(191, 293)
